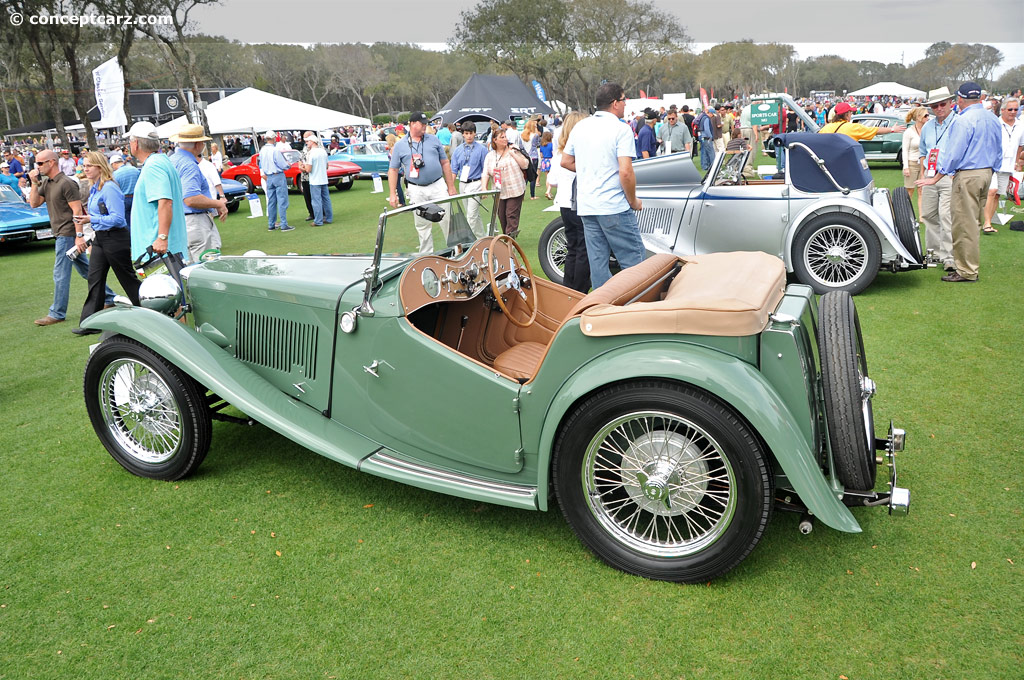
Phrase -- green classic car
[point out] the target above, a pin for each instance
(667, 413)
(886, 147)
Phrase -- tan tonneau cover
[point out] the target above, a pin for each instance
(728, 294)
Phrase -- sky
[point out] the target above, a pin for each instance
(878, 30)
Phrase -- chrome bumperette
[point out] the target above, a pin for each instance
(899, 497)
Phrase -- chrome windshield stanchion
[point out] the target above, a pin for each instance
(821, 164)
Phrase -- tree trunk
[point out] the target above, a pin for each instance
(43, 61)
(80, 94)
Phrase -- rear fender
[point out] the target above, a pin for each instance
(220, 372)
(880, 223)
(735, 383)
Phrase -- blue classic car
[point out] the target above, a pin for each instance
(371, 157)
(234, 192)
(18, 221)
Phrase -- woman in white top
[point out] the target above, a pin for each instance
(916, 118)
(216, 157)
(577, 266)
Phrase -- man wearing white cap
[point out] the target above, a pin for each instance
(158, 215)
(272, 167)
(195, 190)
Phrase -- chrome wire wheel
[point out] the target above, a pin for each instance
(659, 484)
(836, 255)
(140, 411)
(557, 248)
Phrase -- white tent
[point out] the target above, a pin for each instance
(887, 88)
(251, 110)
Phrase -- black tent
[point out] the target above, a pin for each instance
(492, 98)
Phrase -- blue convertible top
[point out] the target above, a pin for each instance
(843, 156)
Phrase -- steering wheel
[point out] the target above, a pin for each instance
(513, 281)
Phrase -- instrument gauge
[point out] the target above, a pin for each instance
(431, 283)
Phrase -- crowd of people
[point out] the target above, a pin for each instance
(957, 157)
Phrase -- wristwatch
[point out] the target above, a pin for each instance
(80, 234)
(162, 237)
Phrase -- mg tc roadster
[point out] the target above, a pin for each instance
(667, 413)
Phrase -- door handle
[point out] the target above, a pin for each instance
(709, 205)
(377, 363)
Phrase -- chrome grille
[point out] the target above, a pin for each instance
(655, 219)
(277, 344)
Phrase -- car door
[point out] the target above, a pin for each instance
(735, 215)
(439, 406)
(872, 147)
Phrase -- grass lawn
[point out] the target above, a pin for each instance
(273, 562)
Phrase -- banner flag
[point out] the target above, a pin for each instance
(541, 95)
(109, 81)
(704, 99)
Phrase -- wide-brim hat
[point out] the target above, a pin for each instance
(938, 95)
(191, 133)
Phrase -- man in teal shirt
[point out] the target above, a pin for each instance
(158, 210)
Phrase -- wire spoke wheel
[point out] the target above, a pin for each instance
(662, 481)
(552, 250)
(151, 417)
(659, 483)
(836, 255)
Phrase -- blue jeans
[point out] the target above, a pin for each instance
(277, 199)
(62, 277)
(607, 234)
(707, 153)
(320, 196)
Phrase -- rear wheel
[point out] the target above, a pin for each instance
(552, 249)
(906, 223)
(249, 187)
(662, 481)
(836, 251)
(847, 390)
(344, 186)
(150, 416)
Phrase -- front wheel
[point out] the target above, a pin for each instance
(344, 186)
(836, 251)
(249, 186)
(662, 481)
(150, 416)
(552, 249)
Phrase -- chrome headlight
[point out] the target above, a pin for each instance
(161, 293)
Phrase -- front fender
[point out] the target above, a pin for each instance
(882, 226)
(221, 373)
(734, 382)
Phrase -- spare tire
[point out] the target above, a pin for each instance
(847, 391)
(906, 223)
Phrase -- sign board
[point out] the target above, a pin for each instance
(255, 207)
(378, 185)
(764, 113)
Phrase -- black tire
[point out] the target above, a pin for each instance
(690, 499)
(233, 207)
(836, 251)
(344, 186)
(899, 158)
(249, 186)
(844, 371)
(906, 223)
(552, 249)
(150, 416)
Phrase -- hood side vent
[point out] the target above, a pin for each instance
(282, 345)
(655, 219)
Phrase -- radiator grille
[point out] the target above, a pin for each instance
(655, 219)
(277, 344)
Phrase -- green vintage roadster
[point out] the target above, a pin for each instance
(668, 413)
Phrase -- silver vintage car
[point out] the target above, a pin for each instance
(822, 215)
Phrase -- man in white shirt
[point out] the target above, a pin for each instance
(600, 150)
(319, 190)
(1013, 151)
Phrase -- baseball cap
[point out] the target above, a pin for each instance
(4, 164)
(142, 130)
(843, 108)
(418, 117)
(117, 158)
(969, 90)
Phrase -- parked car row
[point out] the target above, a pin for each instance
(339, 173)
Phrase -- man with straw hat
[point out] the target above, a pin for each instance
(202, 232)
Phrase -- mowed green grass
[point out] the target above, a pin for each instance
(273, 562)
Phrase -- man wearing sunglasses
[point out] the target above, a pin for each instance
(674, 136)
(936, 212)
(1013, 150)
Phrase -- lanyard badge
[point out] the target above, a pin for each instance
(933, 163)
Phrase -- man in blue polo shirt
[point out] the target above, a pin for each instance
(974, 152)
(203, 235)
(272, 167)
(936, 212)
(158, 216)
(126, 175)
(600, 151)
(468, 166)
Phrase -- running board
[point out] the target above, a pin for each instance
(385, 464)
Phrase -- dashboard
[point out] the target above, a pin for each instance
(432, 279)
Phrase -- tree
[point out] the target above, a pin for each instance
(1010, 81)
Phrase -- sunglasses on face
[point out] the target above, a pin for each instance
(1009, 109)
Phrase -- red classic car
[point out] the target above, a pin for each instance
(340, 174)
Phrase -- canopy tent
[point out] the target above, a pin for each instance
(252, 110)
(492, 98)
(887, 88)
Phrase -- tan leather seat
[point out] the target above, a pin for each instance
(522, 360)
